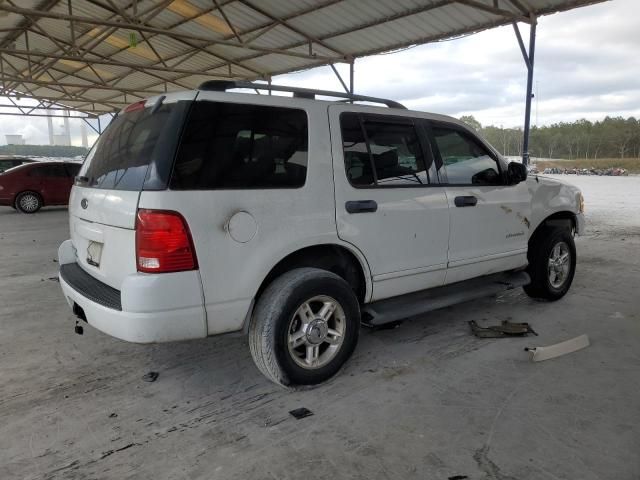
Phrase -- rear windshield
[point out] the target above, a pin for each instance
(136, 150)
(237, 146)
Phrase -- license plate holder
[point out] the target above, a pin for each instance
(94, 253)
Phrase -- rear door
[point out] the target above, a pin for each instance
(388, 202)
(253, 182)
(135, 152)
(489, 217)
(52, 181)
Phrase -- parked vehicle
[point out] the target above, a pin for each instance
(9, 162)
(611, 171)
(293, 220)
(31, 186)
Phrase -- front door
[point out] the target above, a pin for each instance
(387, 204)
(489, 217)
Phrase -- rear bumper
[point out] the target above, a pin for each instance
(148, 309)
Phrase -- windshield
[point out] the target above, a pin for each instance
(136, 150)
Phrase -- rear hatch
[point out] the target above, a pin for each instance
(135, 153)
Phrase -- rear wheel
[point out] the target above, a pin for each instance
(305, 327)
(552, 263)
(28, 202)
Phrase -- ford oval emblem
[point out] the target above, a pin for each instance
(84, 203)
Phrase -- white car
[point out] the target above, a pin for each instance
(294, 220)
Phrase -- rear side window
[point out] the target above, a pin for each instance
(133, 142)
(48, 171)
(72, 169)
(381, 151)
(465, 160)
(236, 146)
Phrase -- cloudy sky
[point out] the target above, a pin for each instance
(587, 66)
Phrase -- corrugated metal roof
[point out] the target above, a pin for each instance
(98, 55)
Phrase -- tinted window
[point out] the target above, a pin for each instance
(357, 162)
(392, 146)
(466, 161)
(134, 140)
(72, 169)
(48, 171)
(233, 146)
(7, 164)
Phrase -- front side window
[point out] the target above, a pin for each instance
(237, 146)
(381, 152)
(465, 160)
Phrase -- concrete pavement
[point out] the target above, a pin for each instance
(425, 400)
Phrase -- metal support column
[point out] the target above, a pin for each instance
(344, 85)
(529, 61)
(86, 121)
(351, 76)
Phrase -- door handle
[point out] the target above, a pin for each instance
(466, 201)
(361, 206)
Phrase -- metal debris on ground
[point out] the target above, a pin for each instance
(150, 377)
(538, 354)
(505, 329)
(300, 413)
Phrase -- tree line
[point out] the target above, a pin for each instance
(42, 150)
(613, 137)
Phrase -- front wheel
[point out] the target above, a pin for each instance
(552, 263)
(28, 202)
(305, 327)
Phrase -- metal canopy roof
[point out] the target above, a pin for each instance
(95, 56)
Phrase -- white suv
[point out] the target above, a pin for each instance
(294, 219)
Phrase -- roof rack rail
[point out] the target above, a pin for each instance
(224, 85)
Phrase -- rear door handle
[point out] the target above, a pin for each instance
(466, 201)
(361, 206)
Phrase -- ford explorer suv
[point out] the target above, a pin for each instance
(294, 220)
(33, 185)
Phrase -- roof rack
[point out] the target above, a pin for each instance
(224, 85)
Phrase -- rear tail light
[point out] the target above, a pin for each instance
(134, 107)
(163, 242)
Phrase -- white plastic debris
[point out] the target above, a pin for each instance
(538, 354)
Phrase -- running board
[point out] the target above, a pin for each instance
(416, 303)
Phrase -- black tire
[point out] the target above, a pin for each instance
(28, 202)
(275, 316)
(541, 248)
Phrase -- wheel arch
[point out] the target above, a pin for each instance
(28, 190)
(563, 218)
(339, 259)
(333, 257)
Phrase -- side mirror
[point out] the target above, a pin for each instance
(517, 172)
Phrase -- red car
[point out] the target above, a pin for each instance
(29, 187)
